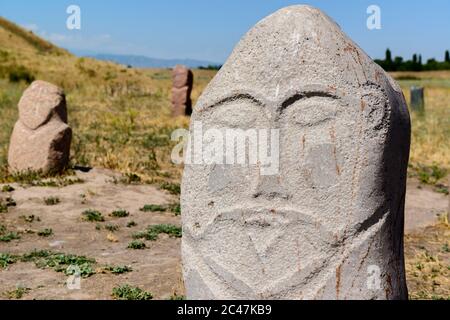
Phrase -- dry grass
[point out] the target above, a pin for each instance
(131, 133)
(120, 116)
(430, 142)
(428, 262)
(25, 38)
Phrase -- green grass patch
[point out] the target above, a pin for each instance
(118, 269)
(131, 224)
(6, 203)
(6, 259)
(153, 208)
(428, 174)
(17, 293)
(30, 218)
(3, 207)
(45, 233)
(121, 213)
(440, 188)
(128, 178)
(51, 201)
(92, 215)
(136, 245)
(7, 188)
(152, 232)
(127, 292)
(8, 237)
(10, 202)
(60, 262)
(175, 208)
(18, 73)
(38, 179)
(173, 188)
(112, 227)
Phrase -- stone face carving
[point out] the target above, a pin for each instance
(329, 223)
(181, 91)
(41, 137)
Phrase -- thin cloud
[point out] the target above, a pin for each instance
(31, 27)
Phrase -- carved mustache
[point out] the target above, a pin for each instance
(266, 219)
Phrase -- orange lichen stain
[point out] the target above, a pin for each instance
(338, 280)
(332, 134)
(338, 169)
(333, 141)
(363, 105)
(303, 142)
(377, 76)
(388, 290)
(349, 48)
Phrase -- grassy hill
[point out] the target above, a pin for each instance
(21, 39)
(120, 116)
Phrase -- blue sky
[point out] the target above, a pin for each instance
(209, 29)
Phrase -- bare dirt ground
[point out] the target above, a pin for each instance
(423, 206)
(156, 268)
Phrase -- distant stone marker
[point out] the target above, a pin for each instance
(417, 99)
(41, 137)
(448, 209)
(181, 91)
(329, 224)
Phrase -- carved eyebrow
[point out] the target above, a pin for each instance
(235, 97)
(305, 95)
(286, 103)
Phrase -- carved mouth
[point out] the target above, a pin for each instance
(265, 226)
(266, 217)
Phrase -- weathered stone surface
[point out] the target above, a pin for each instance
(46, 149)
(182, 76)
(40, 101)
(41, 137)
(181, 91)
(181, 101)
(329, 224)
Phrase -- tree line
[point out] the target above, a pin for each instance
(415, 64)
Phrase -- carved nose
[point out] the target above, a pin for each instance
(270, 188)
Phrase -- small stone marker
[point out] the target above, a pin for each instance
(41, 137)
(329, 223)
(448, 208)
(417, 99)
(181, 91)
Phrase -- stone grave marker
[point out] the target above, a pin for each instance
(317, 210)
(41, 137)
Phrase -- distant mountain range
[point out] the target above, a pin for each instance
(147, 62)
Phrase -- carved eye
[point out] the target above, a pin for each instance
(312, 111)
(235, 114)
